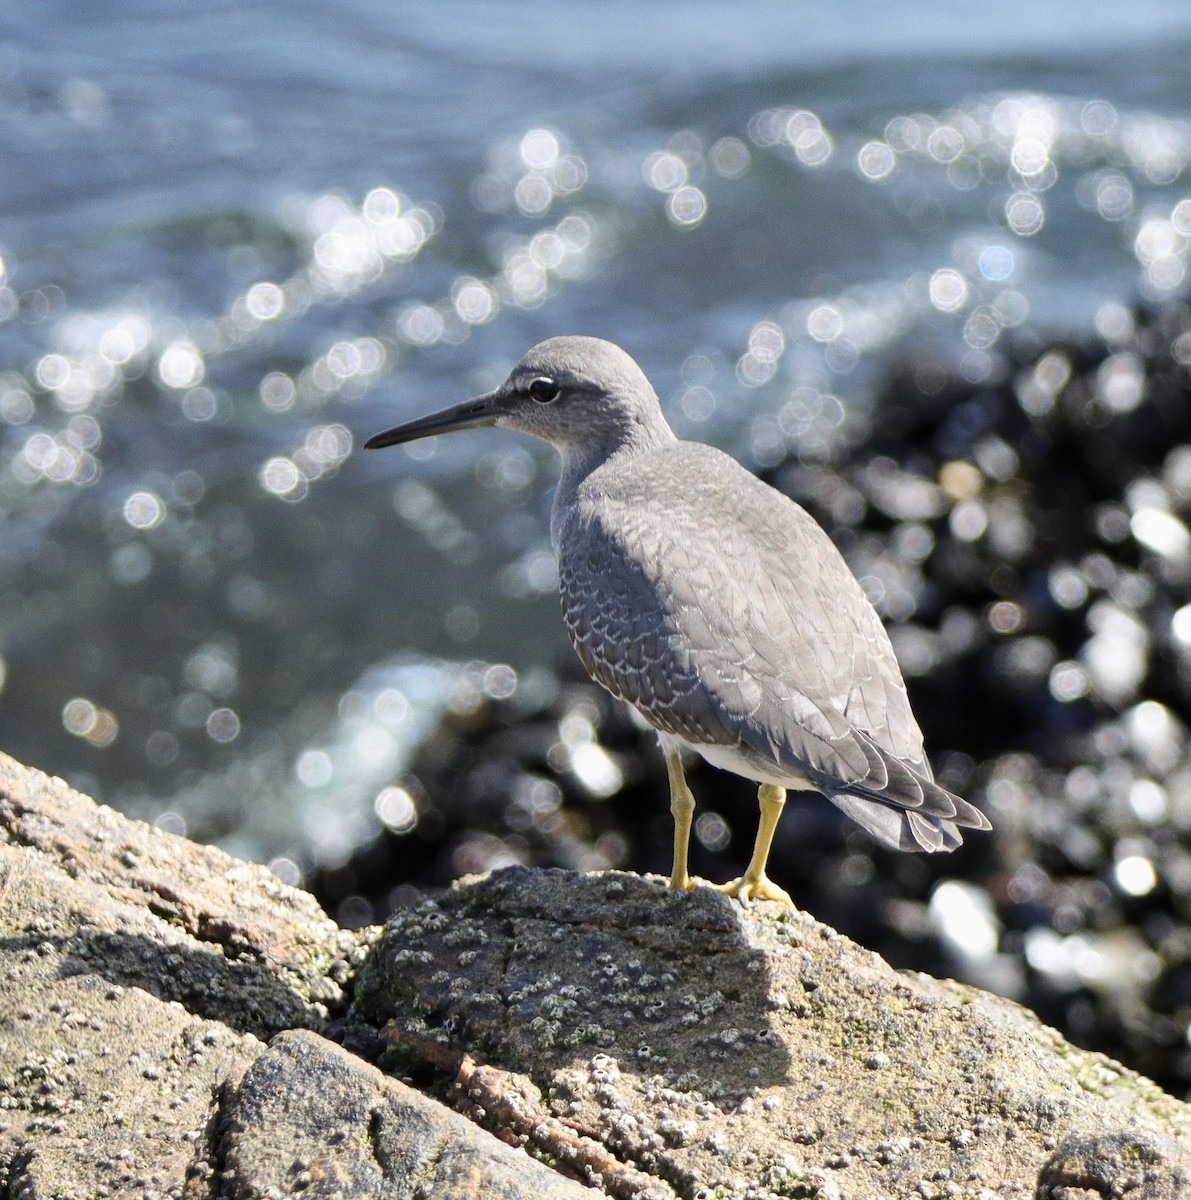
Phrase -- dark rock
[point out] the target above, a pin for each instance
(309, 1118)
(1141, 1166)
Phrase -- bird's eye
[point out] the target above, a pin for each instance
(543, 389)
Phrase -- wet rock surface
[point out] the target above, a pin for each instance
(540, 1033)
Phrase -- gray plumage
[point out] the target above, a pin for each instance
(711, 602)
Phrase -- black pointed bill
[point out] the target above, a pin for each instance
(474, 414)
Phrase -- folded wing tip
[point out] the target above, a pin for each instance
(911, 812)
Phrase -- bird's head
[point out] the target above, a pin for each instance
(585, 396)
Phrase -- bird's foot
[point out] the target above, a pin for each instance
(681, 882)
(760, 887)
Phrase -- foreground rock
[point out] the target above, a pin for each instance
(734, 1052)
(164, 1012)
(140, 976)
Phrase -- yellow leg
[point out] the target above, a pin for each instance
(682, 806)
(754, 884)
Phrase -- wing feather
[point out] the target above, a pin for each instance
(726, 615)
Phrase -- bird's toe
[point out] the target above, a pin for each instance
(748, 888)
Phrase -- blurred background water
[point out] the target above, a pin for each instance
(237, 239)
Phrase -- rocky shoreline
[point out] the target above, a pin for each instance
(176, 1023)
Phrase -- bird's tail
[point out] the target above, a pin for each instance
(911, 812)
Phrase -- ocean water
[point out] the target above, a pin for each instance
(239, 239)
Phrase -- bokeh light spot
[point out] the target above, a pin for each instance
(1005, 617)
(181, 365)
(286, 870)
(223, 725)
(712, 831)
(144, 510)
(687, 207)
(665, 172)
(876, 160)
(1163, 533)
(200, 404)
(314, 768)
(825, 323)
(1025, 214)
(996, 263)
(474, 301)
(964, 916)
(92, 722)
(277, 392)
(969, 521)
(1068, 681)
(539, 149)
(282, 477)
(1135, 875)
(500, 681)
(595, 769)
(396, 810)
(730, 157)
(265, 301)
(1180, 627)
(948, 290)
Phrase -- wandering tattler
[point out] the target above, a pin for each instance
(717, 607)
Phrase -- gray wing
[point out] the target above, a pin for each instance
(722, 611)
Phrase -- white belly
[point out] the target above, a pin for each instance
(730, 758)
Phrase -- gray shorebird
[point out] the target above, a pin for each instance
(717, 607)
